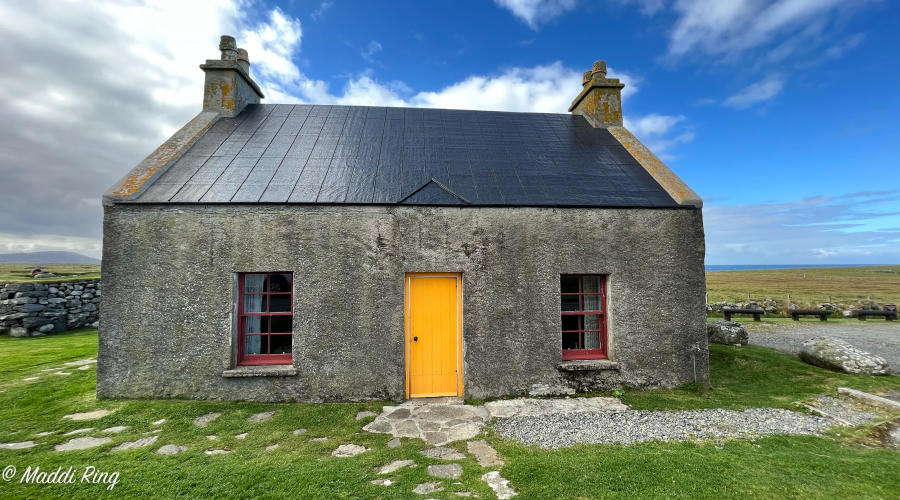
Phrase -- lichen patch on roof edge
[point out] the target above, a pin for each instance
(156, 163)
(669, 180)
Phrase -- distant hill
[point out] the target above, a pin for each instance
(41, 258)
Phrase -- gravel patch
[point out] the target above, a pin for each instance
(881, 339)
(634, 426)
(841, 410)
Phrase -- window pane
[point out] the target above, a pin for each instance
(254, 282)
(570, 323)
(569, 303)
(591, 302)
(570, 340)
(590, 284)
(591, 322)
(281, 324)
(280, 344)
(256, 324)
(279, 282)
(568, 284)
(279, 303)
(254, 303)
(592, 340)
(254, 344)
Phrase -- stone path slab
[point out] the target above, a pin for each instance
(445, 471)
(348, 450)
(521, 407)
(79, 431)
(436, 424)
(159, 422)
(82, 443)
(242, 435)
(261, 417)
(115, 430)
(443, 453)
(426, 488)
(140, 443)
(271, 447)
(297, 432)
(217, 452)
(17, 446)
(395, 466)
(499, 485)
(381, 482)
(484, 453)
(394, 443)
(171, 449)
(44, 434)
(88, 415)
(365, 414)
(204, 420)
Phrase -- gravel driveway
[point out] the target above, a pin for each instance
(877, 337)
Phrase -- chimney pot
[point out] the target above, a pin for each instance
(228, 47)
(243, 60)
(599, 67)
(586, 77)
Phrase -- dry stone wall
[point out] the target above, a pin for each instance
(35, 309)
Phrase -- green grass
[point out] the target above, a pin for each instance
(807, 287)
(21, 273)
(798, 467)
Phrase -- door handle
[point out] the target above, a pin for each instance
(415, 339)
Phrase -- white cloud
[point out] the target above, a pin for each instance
(731, 27)
(320, 10)
(755, 93)
(535, 12)
(658, 132)
(372, 48)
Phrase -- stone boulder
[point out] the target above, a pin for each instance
(727, 332)
(836, 354)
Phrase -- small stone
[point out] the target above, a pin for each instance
(484, 453)
(30, 379)
(79, 431)
(154, 431)
(17, 446)
(319, 439)
(44, 434)
(81, 362)
(463, 493)
(261, 417)
(82, 443)
(379, 426)
(445, 471)
(217, 452)
(434, 438)
(364, 414)
(84, 367)
(395, 466)
(212, 438)
(140, 443)
(115, 430)
(204, 420)
(726, 332)
(242, 435)
(348, 450)
(89, 415)
(394, 443)
(499, 485)
(426, 488)
(62, 373)
(381, 482)
(298, 432)
(159, 422)
(171, 449)
(271, 447)
(443, 453)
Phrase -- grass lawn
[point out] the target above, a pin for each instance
(798, 467)
(807, 287)
(21, 273)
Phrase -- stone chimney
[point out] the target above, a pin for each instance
(228, 87)
(600, 101)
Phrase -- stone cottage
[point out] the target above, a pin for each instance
(278, 252)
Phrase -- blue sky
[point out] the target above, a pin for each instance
(781, 114)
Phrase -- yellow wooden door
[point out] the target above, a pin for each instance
(433, 334)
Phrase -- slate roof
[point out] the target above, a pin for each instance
(362, 155)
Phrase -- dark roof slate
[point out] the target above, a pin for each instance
(363, 155)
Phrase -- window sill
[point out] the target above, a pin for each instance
(582, 365)
(261, 371)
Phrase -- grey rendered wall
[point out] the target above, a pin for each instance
(166, 317)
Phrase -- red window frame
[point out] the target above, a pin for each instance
(580, 353)
(262, 359)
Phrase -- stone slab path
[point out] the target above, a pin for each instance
(435, 424)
